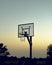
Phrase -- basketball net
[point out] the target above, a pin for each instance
(22, 39)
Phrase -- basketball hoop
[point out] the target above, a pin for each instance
(26, 31)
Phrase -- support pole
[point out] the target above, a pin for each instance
(30, 46)
(30, 43)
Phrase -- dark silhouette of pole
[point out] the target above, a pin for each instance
(30, 43)
(29, 38)
(30, 46)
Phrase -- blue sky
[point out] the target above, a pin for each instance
(14, 12)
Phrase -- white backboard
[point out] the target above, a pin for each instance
(26, 28)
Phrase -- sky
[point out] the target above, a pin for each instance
(14, 12)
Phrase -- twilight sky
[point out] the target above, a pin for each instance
(14, 12)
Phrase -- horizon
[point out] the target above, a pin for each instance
(15, 12)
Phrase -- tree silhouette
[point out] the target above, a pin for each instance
(49, 51)
(3, 50)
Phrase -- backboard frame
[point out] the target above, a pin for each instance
(27, 24)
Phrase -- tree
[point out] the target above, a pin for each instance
(49, 51)
(3, 50)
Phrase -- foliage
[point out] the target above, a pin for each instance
(49, 51)
(3, 50)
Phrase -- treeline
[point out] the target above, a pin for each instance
(25, 61)
(5, 59)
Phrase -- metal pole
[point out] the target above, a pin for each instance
(30, 43)
(30, 46)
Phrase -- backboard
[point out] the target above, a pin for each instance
(24, 29)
